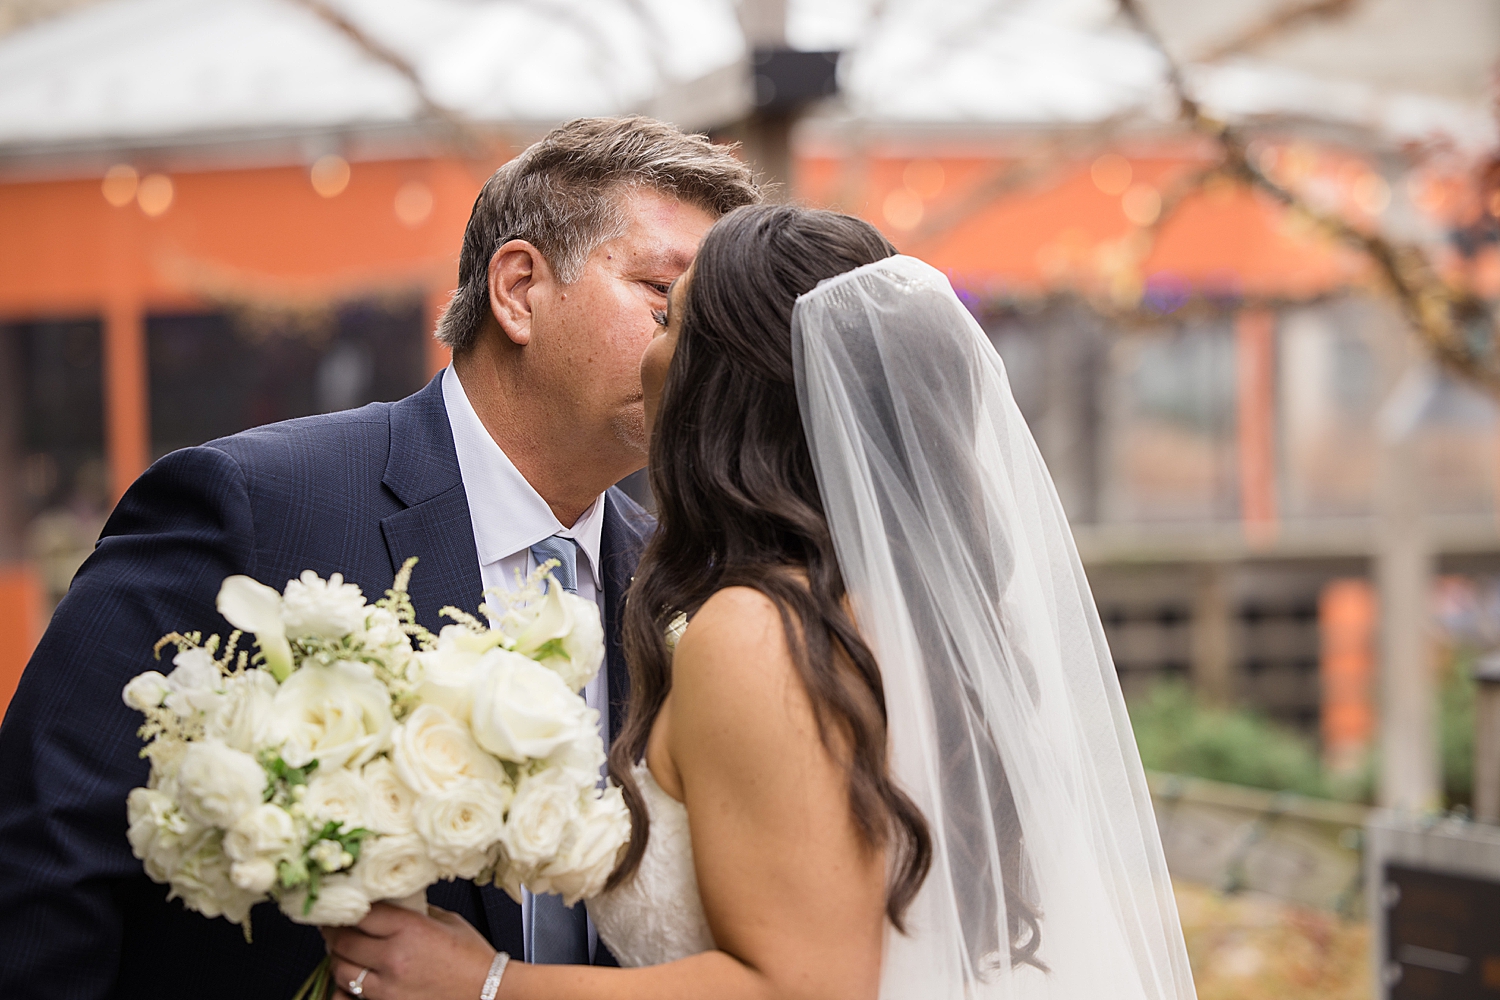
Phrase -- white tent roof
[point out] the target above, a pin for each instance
(170, 72)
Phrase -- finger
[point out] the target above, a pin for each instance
(361, 950)
(383, 920)
(345, 973)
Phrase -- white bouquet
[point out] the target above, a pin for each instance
(341, 764)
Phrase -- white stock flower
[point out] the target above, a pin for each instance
(339, 715)
(462, 824)
(383, 631)
(329, 855)
(337, 796)
(341, 902)
(251, 606)
(146, 690)
(575, 622)
(431, 751)
(590, 850)
(245, 717)
(391, 799)
(524, 711)
(329, 609)
(266, 832)
(159, 832)
(217, 784)
(203, 883)
(544, 806)
(196, 684)
(395, 867)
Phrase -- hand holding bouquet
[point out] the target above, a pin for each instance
(341, 764)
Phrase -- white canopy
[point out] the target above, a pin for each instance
(188, 72)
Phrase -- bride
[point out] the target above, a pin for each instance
(889, 756)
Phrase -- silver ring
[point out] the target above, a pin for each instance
(357, 984)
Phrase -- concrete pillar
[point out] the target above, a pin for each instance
(1410, 769)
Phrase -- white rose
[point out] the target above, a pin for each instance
(146, 690)
(251, 606)
(383, 632)
(196, 683)
(329, 609)
(444, 674)
(341, 902)
(391, 799)
(590, 850)
(395, 867)
(522, 710)
(158, 832)
(255, 876)
(217, 784)
(543, 807)
(461, 825)
(575, 622)
(431, 751)
(245, 718)
(339, 797)
(203, 884)
(267, 831)
(339, 715)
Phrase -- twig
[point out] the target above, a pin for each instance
(1278, 22)
(1447, 319)
(472, 144)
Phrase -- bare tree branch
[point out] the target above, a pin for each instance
(472, 143)
(1456, 325)
(1278, 22)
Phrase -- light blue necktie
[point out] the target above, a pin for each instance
(559, 935)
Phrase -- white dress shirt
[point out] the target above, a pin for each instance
(509, 516)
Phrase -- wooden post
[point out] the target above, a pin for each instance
(127, 420)
(1212, 641)
(1255, 398)
(1487, 740)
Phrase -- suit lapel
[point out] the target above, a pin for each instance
(422, 471)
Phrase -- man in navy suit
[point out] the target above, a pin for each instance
(566, 259)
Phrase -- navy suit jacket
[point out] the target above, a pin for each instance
(356, 493)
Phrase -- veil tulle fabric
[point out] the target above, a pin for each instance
(1007, 726)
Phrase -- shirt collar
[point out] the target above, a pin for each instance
(507, 512)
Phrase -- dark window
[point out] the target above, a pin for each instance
(214, 374)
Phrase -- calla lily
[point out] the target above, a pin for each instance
(554, 621)
(251, 606)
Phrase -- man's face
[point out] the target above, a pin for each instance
(592, 332)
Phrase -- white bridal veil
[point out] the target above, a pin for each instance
(1007, 726)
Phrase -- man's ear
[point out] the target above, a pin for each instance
(515, 269)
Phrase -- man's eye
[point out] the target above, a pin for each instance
(663, 289)
(660, 315)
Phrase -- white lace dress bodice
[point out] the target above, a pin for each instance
(657, 915)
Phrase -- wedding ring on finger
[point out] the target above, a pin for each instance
(357, 984)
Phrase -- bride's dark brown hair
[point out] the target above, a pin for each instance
(738, 505)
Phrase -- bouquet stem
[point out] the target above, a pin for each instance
(319, 985)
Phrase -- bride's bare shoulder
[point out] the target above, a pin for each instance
(733, 663)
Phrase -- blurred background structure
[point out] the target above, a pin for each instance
(1241, 260)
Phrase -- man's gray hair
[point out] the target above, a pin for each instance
(562, 196)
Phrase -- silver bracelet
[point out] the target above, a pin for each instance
(492, 981)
